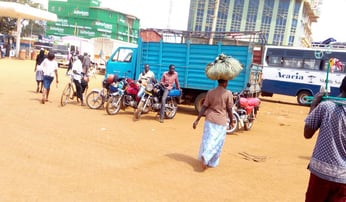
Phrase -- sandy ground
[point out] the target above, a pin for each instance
(73, 153)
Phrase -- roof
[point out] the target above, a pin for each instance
(16, 10)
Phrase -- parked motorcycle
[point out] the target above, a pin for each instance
(97, 97)
(244, 111)
(125, 96)
(151, 100)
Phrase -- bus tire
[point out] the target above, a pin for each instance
(301, 97)
(199, 101)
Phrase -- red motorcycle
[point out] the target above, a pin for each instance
(244, 111)
(125, 96)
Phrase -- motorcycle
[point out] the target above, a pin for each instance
(244, 111)
(125, 96)
(151, 100)
(97, 97)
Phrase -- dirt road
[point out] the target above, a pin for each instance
(73, 153)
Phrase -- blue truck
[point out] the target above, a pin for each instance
(190, 60)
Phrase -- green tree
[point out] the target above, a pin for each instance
(33, 27)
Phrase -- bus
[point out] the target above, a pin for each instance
(298, 71)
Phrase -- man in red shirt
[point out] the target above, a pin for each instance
(169, 78)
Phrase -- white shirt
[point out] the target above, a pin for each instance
(77, 65)
(146, 77)
(49, 67)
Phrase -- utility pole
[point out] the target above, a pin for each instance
(213, 26)
(169, 14)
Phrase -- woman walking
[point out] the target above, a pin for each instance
(39, 71)
(50, 69)
(217, 107)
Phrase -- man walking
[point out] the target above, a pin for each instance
(328, 162)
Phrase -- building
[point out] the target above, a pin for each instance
(86, 19)
(283, 22)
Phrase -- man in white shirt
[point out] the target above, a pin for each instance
(144, 77)
(77, 74)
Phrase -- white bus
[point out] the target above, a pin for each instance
(297, 71)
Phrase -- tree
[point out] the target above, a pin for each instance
(33, 27)
(8, 24)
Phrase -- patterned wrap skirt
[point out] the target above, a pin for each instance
(212, 142)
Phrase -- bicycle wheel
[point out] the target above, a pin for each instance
(67, 94)
(95, 100)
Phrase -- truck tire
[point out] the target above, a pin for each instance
(199, 101)
(300, 97)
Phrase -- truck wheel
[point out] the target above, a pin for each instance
(199, 101)
(301, 97)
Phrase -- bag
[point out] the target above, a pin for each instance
(224, 67)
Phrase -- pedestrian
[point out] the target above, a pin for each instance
(70, 63)
(328, 162)
(217, 108)
(169, 78)
(12, 52)
(78, 76)
(2, 51)
(86, 63)
(144, 77)
(39, 72)
(50, 69)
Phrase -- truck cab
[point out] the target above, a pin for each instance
(123, 62)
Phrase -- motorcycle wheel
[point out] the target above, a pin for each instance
(138, 112)
(230, 130)
(248, 125)
(94, 100)
(171, 109)
(113, 105)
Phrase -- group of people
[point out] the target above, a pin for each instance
(328, 162)
(217, 108)
(6, 48)
(169, 79)
(46, 69)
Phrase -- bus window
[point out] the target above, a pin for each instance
(312, 64)
(324, 65)
(293, 62)
(274, 60)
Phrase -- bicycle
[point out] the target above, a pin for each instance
(69, 92)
